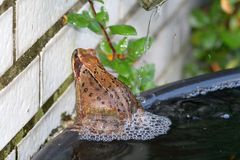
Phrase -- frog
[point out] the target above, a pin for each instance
(103, 102)
(106, 109)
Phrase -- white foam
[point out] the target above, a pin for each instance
(216, 87)
(142, 126)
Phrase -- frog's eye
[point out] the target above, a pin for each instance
(75, 52)
(76, 64)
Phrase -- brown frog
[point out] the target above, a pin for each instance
(104, 103)
(106, 108)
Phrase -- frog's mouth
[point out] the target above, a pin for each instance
(77, 64)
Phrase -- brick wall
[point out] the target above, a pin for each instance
(36, 84)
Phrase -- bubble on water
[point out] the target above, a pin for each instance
(218, 86)
(141, 99)
(225, 116)
(142, 126)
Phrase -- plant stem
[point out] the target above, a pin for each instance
(103, 30)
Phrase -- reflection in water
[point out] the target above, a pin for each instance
(110, 151)
(98, 150)
(200, 131)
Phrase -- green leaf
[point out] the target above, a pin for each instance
(105, 60)
(87, 15)
(138, 47)
(146, 75)
(234, 23)
(206, 39)
(122, 45)
(78, 20)
(131, 80)
(147, 72)
(93, 24)
(231, 39)
(102, 16)
(125, 30)
(104, 46)
(125, 80)
(95, 27)
(232, 63)
(199, 19)
(215, 12)
(122, 67)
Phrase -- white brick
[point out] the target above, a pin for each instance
(173, 72)
(34, 18)
(160, 52)
(126, 6)
(12, 155)
(19, 101)
(6, 40)
(172, 5)
(56, 61)
(87, 39)
(44, 127)
(182, 21)
(141, 19)
(113, 8)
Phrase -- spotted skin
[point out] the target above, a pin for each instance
(104, 103)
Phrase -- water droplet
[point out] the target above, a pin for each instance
(141, 99)
(225, 116)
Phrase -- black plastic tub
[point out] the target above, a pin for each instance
(205, 111)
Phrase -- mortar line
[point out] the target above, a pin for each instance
(182, 52)
(40, 80)
(16, 153)
(5, 6)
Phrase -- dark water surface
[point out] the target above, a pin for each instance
(205, 127)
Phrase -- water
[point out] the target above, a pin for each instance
(205, 127)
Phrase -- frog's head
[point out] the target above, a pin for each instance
(86, 57)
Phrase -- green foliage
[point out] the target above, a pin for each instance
(102, 16)
(138, 47)
(125, 30)
(122, 45)
(128, 51)
(215, 38)
(78, 20)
